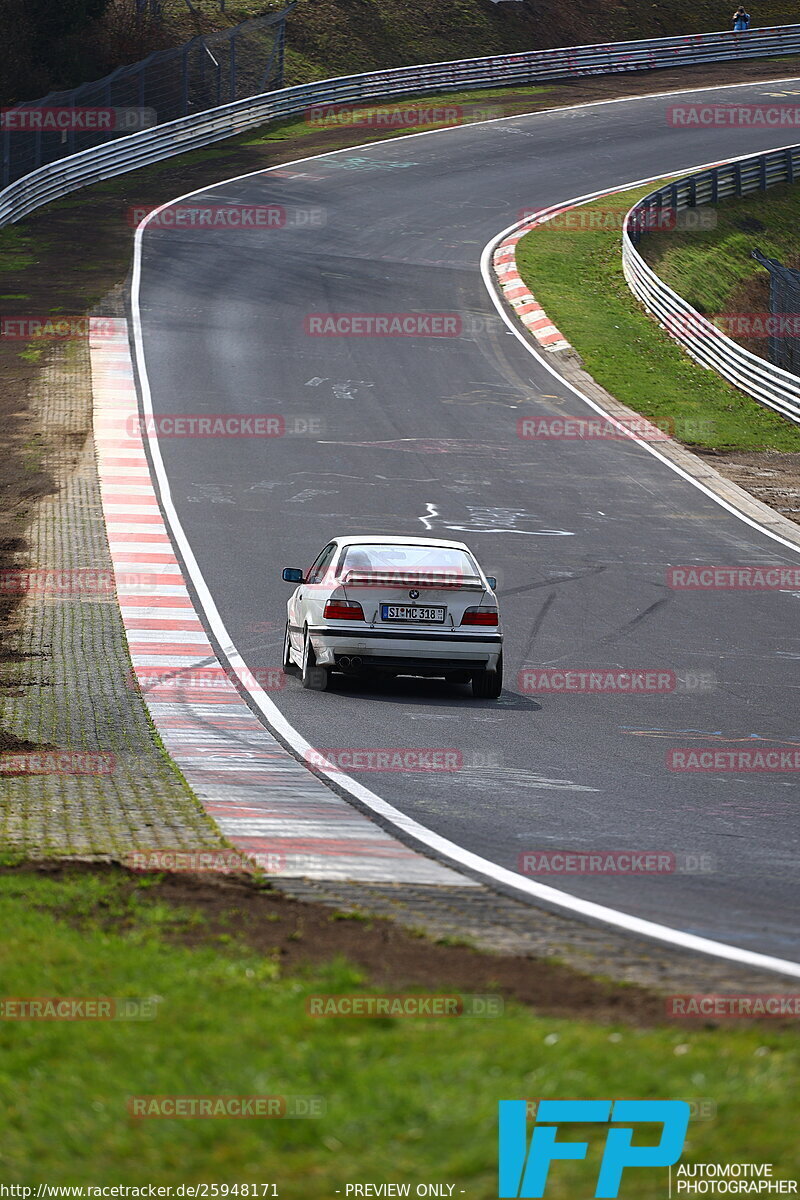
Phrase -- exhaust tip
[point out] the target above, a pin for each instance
(355, 662)
(344, 661)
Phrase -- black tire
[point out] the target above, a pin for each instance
(289, 667)
(457, 676)
(313, 678)
(487, 685)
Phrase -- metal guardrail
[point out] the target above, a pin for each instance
(202, 129)
(701, 338)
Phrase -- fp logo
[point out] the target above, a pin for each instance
(523, 1173)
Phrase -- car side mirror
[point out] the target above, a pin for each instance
(292, 575)
(492, 582)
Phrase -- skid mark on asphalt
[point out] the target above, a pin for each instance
(627, 626)
(564, 578)
(537, 625)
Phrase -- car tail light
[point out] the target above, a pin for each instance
(343, 610)
(480, 616)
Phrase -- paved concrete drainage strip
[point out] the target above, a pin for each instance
(89, 779)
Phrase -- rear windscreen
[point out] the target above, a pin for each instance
(389, 561)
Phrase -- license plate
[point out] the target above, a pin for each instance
(412, 612)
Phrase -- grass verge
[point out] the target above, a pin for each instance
(713, 269)
(410, 1100)
(576, 274)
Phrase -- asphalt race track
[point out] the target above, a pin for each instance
(419, 434)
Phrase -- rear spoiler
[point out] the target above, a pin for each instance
(415, 579)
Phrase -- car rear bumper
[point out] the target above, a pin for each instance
(407, 652)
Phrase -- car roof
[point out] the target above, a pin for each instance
(388, 540)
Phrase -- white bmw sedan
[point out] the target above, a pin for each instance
(394, 606)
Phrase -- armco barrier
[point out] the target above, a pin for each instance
(201, 129)
(770, 385)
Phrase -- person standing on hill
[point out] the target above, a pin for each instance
(741, 20)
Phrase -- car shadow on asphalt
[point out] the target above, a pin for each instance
(436, 693)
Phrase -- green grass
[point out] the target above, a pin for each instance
(406, 1100)
(18, 250)
(479, 99)
(708, 267)
(577, 277)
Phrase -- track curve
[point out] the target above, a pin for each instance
(421, 434)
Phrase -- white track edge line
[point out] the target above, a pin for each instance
(400, 821)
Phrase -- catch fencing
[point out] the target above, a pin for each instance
(784, 301)
(766, 382)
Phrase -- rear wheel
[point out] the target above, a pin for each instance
(314, 678)
(487, 685)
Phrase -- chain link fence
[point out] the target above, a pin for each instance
(210, 70)
(784, 304)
